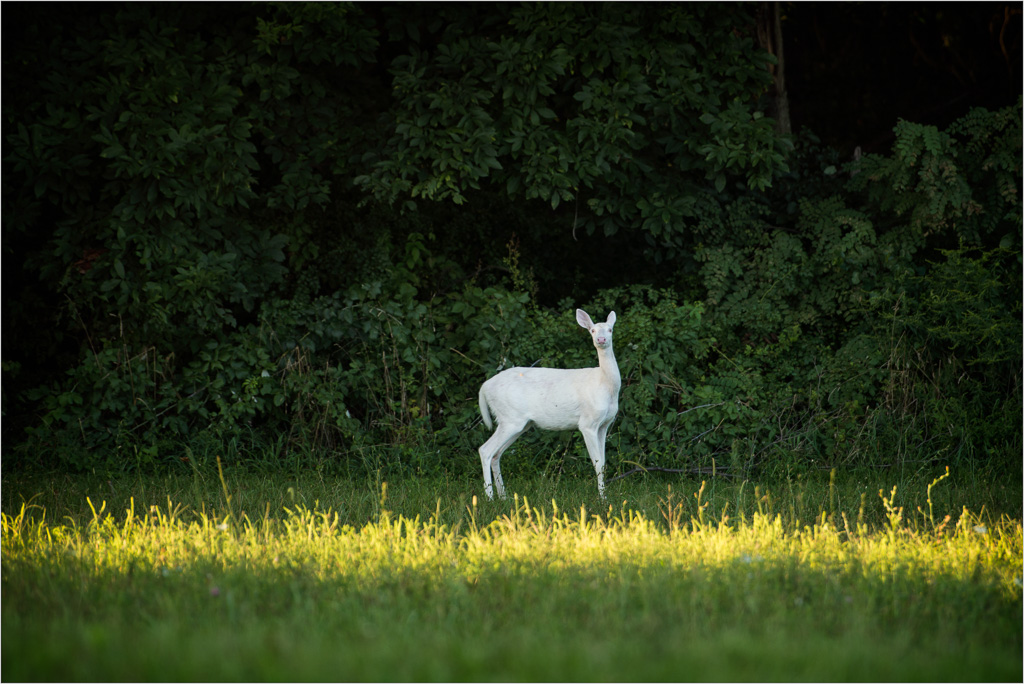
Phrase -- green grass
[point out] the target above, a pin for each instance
(261, 577)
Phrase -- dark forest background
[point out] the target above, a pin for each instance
(289, 234)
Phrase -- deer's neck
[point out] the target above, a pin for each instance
(609, 368)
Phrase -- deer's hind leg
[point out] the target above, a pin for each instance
(490, 455)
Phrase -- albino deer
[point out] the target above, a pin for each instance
(553, 399)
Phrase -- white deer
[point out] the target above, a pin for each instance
(553, 399)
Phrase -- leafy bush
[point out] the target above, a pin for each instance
(956, 366)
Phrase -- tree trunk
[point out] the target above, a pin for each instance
(769, 33)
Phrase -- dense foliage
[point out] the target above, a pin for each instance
(321, 227)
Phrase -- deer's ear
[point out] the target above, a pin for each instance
(583, 319)
(611, 318)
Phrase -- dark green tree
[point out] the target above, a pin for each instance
(639, 116)
(322, 226)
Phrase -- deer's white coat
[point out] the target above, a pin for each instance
(586, 399)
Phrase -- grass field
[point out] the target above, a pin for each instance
(266, 577)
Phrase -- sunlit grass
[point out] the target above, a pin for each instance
(381, 582)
